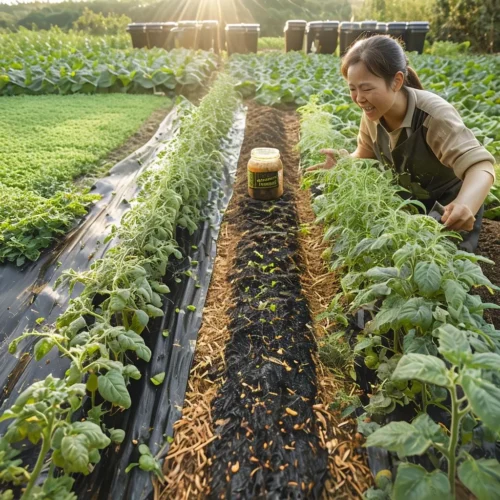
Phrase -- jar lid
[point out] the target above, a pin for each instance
(265, 153)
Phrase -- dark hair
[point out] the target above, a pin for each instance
(384, 57)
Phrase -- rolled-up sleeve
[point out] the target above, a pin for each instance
(455, 146)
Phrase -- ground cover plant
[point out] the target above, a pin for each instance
(54, 63)
(48, 141)
(408, 308)
(101, 330)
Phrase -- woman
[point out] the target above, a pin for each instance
(418, 134)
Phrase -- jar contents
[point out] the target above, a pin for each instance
(265, 174)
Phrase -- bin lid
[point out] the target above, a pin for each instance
(243, 28)
(210, 24)
(331, 24)
(419, 25)
(296, 23)
(349, 26)
(369, 25)
(154, 26)
(136, 27)
(396, 26)
(187, 24)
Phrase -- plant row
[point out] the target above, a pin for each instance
(409, 309)
(102, 333)
(48, 141)
(54, 64)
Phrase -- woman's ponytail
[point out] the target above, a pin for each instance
(412, 80)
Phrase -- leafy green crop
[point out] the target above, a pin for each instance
(101, 330)
(47, 141)
(55, 63)
(404, 270)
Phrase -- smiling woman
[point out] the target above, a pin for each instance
(417, 134)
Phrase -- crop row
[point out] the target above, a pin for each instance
(90, 68)
(102, 331)
(423, 345)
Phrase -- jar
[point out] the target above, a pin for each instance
(265, 174)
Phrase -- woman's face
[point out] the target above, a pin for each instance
(369, 92)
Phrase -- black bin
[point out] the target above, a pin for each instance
(368, 28)
(381, 29)
(160, 35)
(349, 33)
(322, 35)
(416, 35)
(209, 34)
(187, 34)
(138, 34)
(294, 34)
(398, 30)
(242, 38)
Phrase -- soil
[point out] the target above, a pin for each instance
(143, 135)
(275, 446)
(489, 246)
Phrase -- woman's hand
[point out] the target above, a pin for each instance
(458, 217)
(329, 163)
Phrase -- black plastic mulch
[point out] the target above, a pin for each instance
(154, 409)
(263, 413)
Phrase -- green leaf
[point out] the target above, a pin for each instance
(42, 347)
(139, 320)
(382, 273)
(94, 434)
(400, 437)
(428, 278)
(144, 449)
(117, 435)
(413, 343)
(454, 293)
(92, 383)
(483, 396)
(421, 367)
(132, 371)
(147, 463)
(154, 312)
(484, 360)
(143, 352)
(75, 451)
(158, 378)
(453, 344)
(119, 299)
(416, 312)
(112, 388)
(481, 476)
(413, 482)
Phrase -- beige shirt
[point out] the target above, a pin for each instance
(454, 145)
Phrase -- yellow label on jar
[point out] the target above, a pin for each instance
(263, 180)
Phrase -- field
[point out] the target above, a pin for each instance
(165, 335)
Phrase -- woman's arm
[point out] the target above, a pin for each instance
(459, 214)
(331, 161)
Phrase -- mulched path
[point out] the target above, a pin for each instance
(188, 464)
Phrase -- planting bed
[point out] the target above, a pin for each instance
(256, 418)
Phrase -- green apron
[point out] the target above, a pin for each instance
(421, 173)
